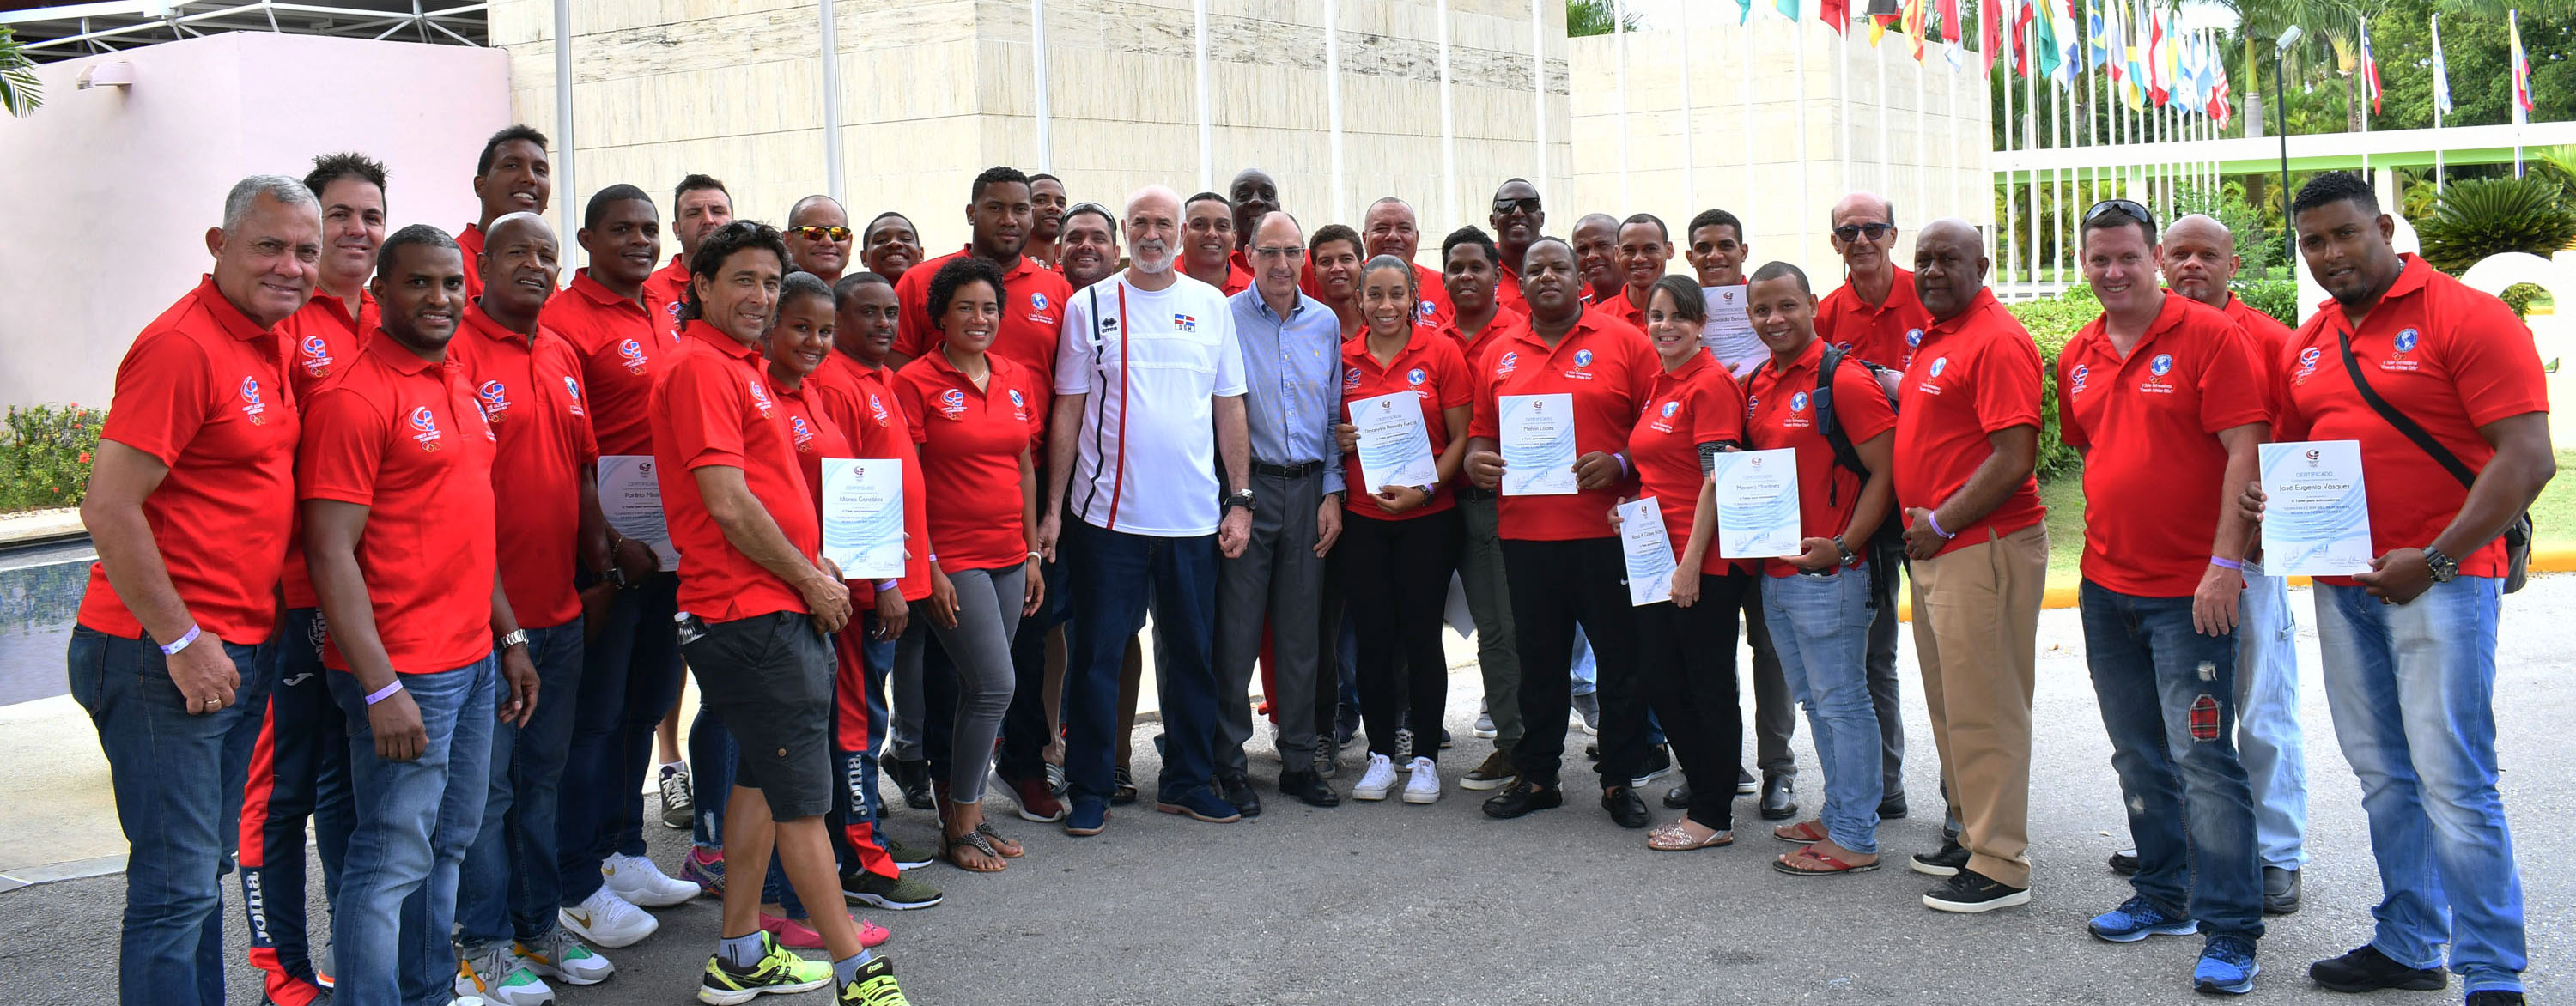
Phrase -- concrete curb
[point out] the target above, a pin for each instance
(38, 525)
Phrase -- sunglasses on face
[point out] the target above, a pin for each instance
(1849, 233)
(2123, 207)
(819, 232)
(1526, 204)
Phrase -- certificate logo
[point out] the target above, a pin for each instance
(631, 354)
(1351, 378)
(1913, 337)
(2313, 455)
(1583, 358)
(2407, 339)
(2162, 364)
(1508, 362)
(2075, 377)
(424, 428)
(1415, 376)
(1798, 401)
(1939, 364)
(252, 406)
(317, 357)
(496, 399)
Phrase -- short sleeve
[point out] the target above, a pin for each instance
(907, 400)
(1483, 422)
(2231, 391)
(1457, 383)
(1717, 408)
(1229, 353)
(704, 394)
(1827, 316)
(2491, 358)
(1072, 356)
(2288, 423)
(1643, 366)
(2070, 430)
(343, 448)
(164, 395)
(2008, 376)
(1860, 404)
(911, 325)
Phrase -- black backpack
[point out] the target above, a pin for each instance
(1888, 543)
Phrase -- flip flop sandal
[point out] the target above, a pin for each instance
(975, 839)
(1801, 833)
(1672, 838)
(998, 845)
(1783, 865)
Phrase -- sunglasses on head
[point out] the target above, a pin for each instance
(2123, 207)
(1525, 204)
(820, 231)
(1849, 233)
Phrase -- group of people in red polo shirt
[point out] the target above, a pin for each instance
(363, 505)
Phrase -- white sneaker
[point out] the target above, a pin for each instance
(637, 880)
(468, 1001)
(1423, 784)
(558, 956)
(604, 919)
(1379, 778)
(500, 978)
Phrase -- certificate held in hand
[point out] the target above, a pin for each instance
(863, 517)
(1394, 448)
(1537, 434)
(2316, 517)
(1757, 503)
(631, 498)
(1649, 551)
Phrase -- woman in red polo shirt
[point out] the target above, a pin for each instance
(1401, 542)
(1685, 648)
(973, 413)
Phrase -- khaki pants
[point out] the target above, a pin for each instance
(1976, 627)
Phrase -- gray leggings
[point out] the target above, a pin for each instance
(979, 648)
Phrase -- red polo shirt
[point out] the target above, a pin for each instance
(1473, 349)
(1432, 368)
(1698, 404)
(322, 341)
(713, 407)
(811, 429)
(1780, 403)
(204, 391)
(667, 289)
(533, 398)
(1884, 334)
(1237, 278)
(1972, 376)
(406, 439)
(1032, 315)
(971, 440)
(2450, 358)
(860, 403)
(1618, 307)
(2271, 340)
(1606, 366)
(622, 346)
(1507, 289)
(2153, 465)
(470, 241)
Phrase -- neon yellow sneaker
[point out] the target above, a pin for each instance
(779, 972)
(875, 986)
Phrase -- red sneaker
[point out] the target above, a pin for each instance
(1037, 802)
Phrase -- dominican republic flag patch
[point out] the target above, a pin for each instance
(1185, 323)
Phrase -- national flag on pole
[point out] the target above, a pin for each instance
(2065, 56)
(1746, 16)
(1837, 14)
(1915, 15)
(2441, 71)
(2521, 62)
(2045, 37)
(2101, 38)
(1787, 8)
(1882, 13)
(2021, 39)
(2132, 71)
(2219, 109)
(1951, 31)
(2158, 84)
(1989, 31)
(2369, 69)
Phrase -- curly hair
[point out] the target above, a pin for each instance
(954, 276)
(720, 244)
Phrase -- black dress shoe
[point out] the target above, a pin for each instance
(912, 776)
(1892, 808)
(1624, 806)
(1308, 788)
(2125, 863)
(1678, 797)
(1237, 790)
(1779, 796)
(1521, 798)
(2280, 891)
(2367, 970)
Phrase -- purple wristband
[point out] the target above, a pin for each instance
(2227, 564)
(386, 692)
(1929, 517)
(172, 649)
(886, 584)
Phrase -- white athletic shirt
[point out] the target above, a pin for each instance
(1152, 362)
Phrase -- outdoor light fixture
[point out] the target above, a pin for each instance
(116, 74)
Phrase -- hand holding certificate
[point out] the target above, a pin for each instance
(863, 517)
(2316, 518)
(631, 499)
(1394, 447)
(1649, 551)
(1757, 504)
(1537, 444)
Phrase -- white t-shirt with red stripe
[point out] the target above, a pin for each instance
(1152, 363)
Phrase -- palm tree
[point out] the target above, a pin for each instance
(2261, 21)
(20, 91)
(1596, 17)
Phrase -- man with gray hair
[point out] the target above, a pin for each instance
(189, 503)
(1149, 383)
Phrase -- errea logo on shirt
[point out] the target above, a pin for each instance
(424, 428)
(252, 406)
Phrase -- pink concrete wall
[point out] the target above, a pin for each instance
(113, 188)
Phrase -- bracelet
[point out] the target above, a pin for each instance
(1934, 519)
(886, 584)
(2227, 564)
(1034, 556)
(185, 638)
(386, 692)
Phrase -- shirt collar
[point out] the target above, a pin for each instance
(1526, 330)
(698, 329)
(234, 322)
(486, 327)
(1901, 286)
(1698, 361)
(1304, 302)
(1810, 358)
(400, 357)
(1977, 307)
(597, 292)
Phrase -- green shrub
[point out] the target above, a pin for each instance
(45, 456)
(2051, 322)
(2489, 216)
(2276, 297)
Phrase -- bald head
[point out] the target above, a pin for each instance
(1389, 228)
(1275, 270)
(2199, 259)
(1949, 267)
(818, 236)
(1862, 229)
(1595, 241)
(1255, 195)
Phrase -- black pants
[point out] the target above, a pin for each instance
(1397, 577)
(1557, 585)
(1775, 711)
(1688, 655)
(1887, 555)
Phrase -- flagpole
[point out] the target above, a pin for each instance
(1922, 159)
(2012, 205)
(1690, 183)
(1842, 94)
(1798, 45)
(2060, 177)
(2030, 141)
(1744, 118)
(1538, 95)
(2442, 80)
(1619, 52)
(1448, 124)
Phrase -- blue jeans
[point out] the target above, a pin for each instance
(415, 821)
(2268, 739)
(299, 771)
(1587, 672)
(2412, 688)
(1116, 577)
(1820, 628)
(510, 886)
(2168, 696)
(630, 677)
(178, 781)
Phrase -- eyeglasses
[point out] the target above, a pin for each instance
(1525, 204)
(818, 231)
(1849, 233)
(2123, 207)
(1282, 252)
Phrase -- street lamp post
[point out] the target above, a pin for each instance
(2281, 117)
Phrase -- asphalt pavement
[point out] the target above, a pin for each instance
(1387, 902)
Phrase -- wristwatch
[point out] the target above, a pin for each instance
(1848, 555)
(2444, 568)
(517, 637)
(1240, 498)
